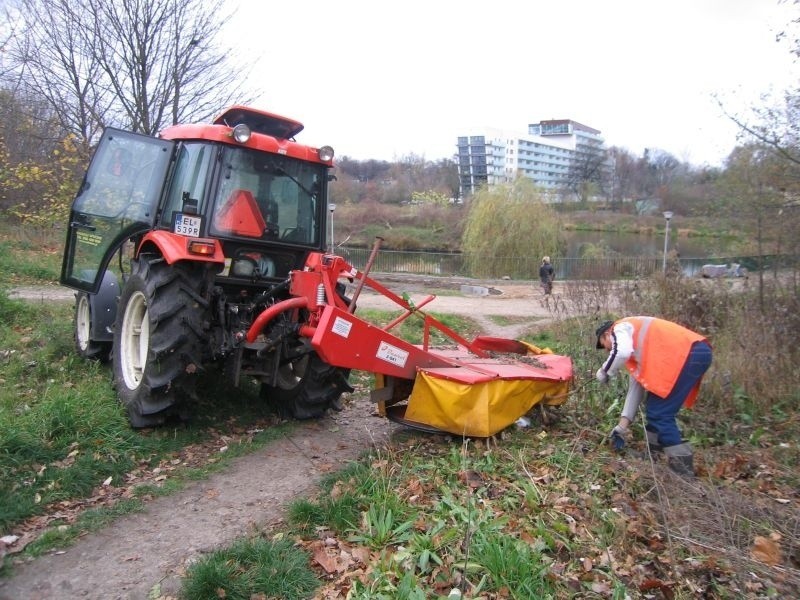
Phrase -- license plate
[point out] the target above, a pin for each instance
(187, 225)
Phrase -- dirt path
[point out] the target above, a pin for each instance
(146, 553)
(143, 555)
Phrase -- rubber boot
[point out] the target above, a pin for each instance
(680, 459)
(652, 442)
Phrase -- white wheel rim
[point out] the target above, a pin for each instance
(83, 322)
(134, 340)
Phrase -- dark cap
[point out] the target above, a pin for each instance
(604, 326)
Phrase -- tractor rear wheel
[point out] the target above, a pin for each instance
(158, 338)
(85, 346)
(306, 387)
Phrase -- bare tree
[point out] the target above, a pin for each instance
(588, 173)
(755, 189)
(138, 64)
(7, 21)
(56, 63)
(775, 124)
(624, 168)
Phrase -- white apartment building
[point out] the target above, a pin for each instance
(545, 154)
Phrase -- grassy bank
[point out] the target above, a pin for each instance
(64, 437)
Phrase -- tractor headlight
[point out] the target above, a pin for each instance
(241, 133)
(326, 153)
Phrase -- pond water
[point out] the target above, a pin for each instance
(633, 244)
(616, 254)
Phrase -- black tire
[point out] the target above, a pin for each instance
(158, 338)
(85, 346)
(306, 387)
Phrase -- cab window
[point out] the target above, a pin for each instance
(268, 196)
(189, 181)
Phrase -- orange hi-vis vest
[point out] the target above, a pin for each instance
(660, 350)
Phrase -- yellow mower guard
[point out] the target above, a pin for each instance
(478, 409)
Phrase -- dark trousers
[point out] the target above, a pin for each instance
(661, 412)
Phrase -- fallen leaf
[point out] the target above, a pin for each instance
(649, 585)
(472, 478)
(325, 559)
(766, 551)
(361, 554)
(601, 587)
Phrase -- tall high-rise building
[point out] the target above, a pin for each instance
(552, 154)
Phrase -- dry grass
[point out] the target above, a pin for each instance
(752, 532)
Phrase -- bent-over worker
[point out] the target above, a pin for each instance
(666, 363)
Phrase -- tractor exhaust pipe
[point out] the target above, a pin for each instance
(375, 247)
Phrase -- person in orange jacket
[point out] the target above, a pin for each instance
(666, 362)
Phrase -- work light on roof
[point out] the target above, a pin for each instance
(326, 153)
(241, 133)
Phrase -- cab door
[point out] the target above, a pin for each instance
(118, 199)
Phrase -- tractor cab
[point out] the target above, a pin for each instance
(255, 198)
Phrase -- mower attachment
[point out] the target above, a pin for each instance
(472, 388)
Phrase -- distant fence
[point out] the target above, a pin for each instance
(525, 268)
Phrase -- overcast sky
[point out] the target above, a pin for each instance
(385, 79)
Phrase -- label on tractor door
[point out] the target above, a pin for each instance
(187, 225)
(392, 354)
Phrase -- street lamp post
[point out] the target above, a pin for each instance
(667, 216)
(331, 207)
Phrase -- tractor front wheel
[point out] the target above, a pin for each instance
(85, 346)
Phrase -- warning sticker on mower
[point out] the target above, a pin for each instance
(392, 354)
(342, 327)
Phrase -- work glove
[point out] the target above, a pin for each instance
(617, 437)
(601, 375)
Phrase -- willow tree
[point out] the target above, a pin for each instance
(508, 229)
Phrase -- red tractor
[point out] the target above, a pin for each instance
(206, 245)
